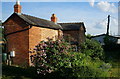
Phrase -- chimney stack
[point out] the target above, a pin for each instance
(17, 7)
(54, 18)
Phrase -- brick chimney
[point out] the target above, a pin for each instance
(54, 18)
(17, 7)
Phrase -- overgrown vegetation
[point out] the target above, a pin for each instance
(110, 43)
(58, 57)
(93, 49)
(112, 53)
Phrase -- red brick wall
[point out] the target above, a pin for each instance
(37, 34)
(22, 42)
(34, 39)
(17, 41)
(78, 36)
(34, 36)
(74, 35)
(48, 33)
(81, 35)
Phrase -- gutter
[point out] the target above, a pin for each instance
(18, 31)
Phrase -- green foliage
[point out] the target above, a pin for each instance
(88, 36)
(110, 43)
(92, 48)
(81, 65)
(109, 40)
(2, 39)
(0, 23)
(49, 54)
(58, 57)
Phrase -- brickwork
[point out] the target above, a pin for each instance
(17, 8)
(48, 33)
(22, 36)
(22, 42)
(74, 35)
(77, 36)
(34, 36)
(37, 34)
(17, 41)
(81, 35)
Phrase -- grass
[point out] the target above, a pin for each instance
(112, 57)
(115, 71)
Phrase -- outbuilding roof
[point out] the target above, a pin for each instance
(72, 26)
(105, 35)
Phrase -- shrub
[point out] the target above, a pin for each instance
(110, 43)
(58, 57)
(49, 55)
(92, 48)
(88, 36)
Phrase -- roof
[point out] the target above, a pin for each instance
(104, 35)
(31, 20)
(118, 36)
(72, 26)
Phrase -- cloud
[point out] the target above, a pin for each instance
(101, 25)
(91, 2)
(115, 22)
(114, 26)
(107, 7)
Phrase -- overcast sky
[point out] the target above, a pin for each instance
(94, 14)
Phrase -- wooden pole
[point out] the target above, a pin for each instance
(108, 25)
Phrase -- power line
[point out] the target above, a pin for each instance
(101, 21)
(105, 19)
(114, 17)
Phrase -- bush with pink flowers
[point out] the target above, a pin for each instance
(53, 57)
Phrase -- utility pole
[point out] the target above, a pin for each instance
(108, 25)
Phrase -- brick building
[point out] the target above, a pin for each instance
(23, 32)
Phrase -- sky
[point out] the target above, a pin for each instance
(93, 14)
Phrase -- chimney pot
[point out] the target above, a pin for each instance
(54, 18)
(17, 7)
